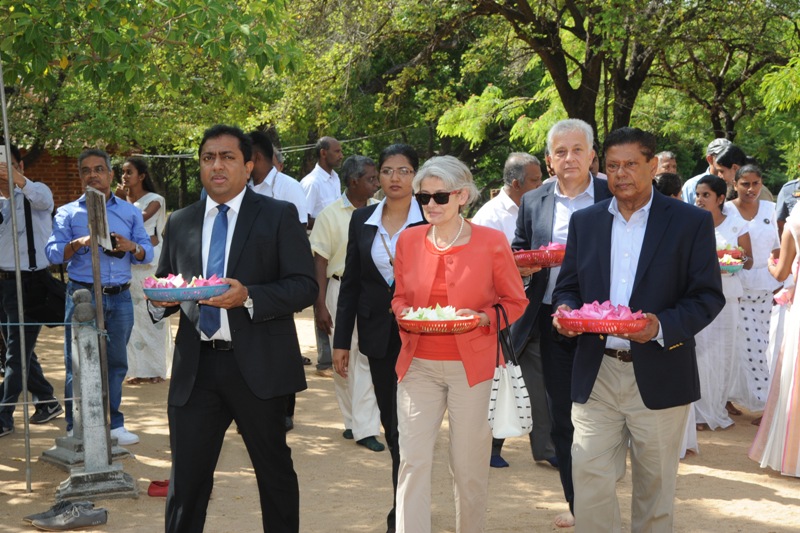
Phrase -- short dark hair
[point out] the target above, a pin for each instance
(218, 130)
(15, 153)
(354, 167)
(261, 143)
(96, 152)
(323, 143)
(667, 183)
(627, 135)
(731, 155)
(400, 149)
(715, 183)
(142, 168)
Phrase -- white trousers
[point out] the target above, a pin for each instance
(355, 395)
(427, 390)
(604, 425)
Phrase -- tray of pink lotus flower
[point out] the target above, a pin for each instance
(437, 320)
(602, 318)
(174, 288)
(551, 255)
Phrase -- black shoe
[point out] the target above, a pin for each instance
(288, 423)
(57, 509)
(6, 431)
(348, 434)
(45, 412)
(371, 443)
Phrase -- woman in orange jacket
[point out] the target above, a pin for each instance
(449, 262)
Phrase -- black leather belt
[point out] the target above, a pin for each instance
(111, 290)
(7, 275)
(622, 355)
(218, 345)
(337, 278)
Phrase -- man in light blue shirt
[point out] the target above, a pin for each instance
(70, 243)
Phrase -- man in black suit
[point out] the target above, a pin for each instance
(236, 355)
(543, 218)
(650, 252)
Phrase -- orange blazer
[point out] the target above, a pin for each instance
(479, 275)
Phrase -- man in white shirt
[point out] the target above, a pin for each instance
(321, 185)
(267, 180)
(322, 188)
(522, 173)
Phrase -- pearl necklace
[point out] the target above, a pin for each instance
(445, 248)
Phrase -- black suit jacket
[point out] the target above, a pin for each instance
(535, 229)
(364, 294)
(269, 254)
(677, 279)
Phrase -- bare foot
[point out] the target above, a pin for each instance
(732, 410)
(156, 379)
(564, 520)
(702, 427)
(756, 422)
(135, 381)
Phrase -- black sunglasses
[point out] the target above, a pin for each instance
(440, 198)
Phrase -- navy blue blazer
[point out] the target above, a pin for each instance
(677, 279)
(535, 229)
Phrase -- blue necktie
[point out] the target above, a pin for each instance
(209, 315)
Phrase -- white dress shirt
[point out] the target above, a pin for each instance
(41, 200)
(627, 238)
(564, 207)
(283, 187)
(499, 213)
(321, 190)
(380, 256)
(235, 205)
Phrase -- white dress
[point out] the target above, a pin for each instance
(150, 345)
(777, 443)
(750, 385)
(716, 344)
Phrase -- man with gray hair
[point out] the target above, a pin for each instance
(522, 173)
(715, 148)
(667, 163)
(354, 390)
(544, 217)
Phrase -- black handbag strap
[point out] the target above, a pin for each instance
(29, 235)
(503, 335)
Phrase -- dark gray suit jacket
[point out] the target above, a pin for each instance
(269, 254)
(535, 229)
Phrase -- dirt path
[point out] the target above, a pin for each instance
(347, 488)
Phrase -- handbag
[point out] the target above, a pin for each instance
(509, 404)
(45, 297)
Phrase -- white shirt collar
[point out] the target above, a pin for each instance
(589, 189)
(613, 207)
(234, 203)
(414, 214)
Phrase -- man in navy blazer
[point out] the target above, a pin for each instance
(651, 253)
(543, 217)
(243, 370)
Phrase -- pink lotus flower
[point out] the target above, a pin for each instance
(178, 282)
(598, 311)
(553, 246)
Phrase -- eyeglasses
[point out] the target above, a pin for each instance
(87, 171)
(403, 171)
(440, 198)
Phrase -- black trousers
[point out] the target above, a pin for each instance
(197, 430)
(384, 381)
(558, 354)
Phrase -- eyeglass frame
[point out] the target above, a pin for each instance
(441, 198)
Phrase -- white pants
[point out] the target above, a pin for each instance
(355, 394)
(614, 414)
(427, 390)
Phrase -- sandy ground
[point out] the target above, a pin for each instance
(345, 487)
